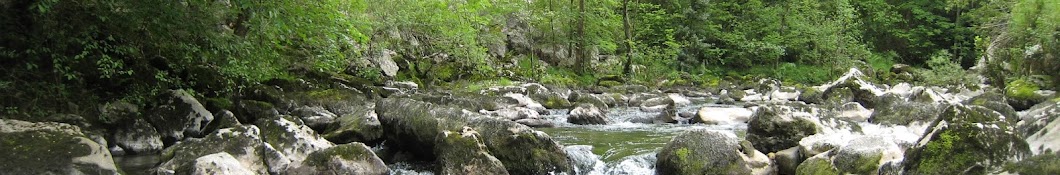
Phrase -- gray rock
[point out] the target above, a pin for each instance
(723, 115)
(787, 160)
(217, 163)
(353, 158)
(516, 113)
(461, 152)
(702, 151)
(223, 119)
(965, 139)
(117, 112)
(893, 110)
(1046, 139)
(408, 85)
(249, 111)
(362, 125)
(776, 127)
(50, 148)
(1036, 118)
(138, 138)
(585, 161)
(315, 117)
(414, 125)
(865, 155)
(384, 60)
(522, 149)
(179, 115)
(587, 114)
(243, 143)
(292, 139)
(537, 123)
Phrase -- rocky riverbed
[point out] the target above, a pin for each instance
(851, 125)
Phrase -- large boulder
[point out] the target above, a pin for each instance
(965, 139)
(138, 138)
(702, 151)
(117, 112)
(179, 115)
(1046, 140)
(291, 138)
(552, 100)
(462, 152)
(776, 127)
(361, 125)
(353, 158)
(414, 125)
(866, 155)
(787, 160)
(1035, 119)
(50, 148)
(894, 110)
(587, 114)
(522, 149)
(315, 117)
(217, 163)
(244, 143)
(851, 87)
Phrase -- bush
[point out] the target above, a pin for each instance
(945, 71)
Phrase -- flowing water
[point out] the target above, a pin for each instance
(622, 147)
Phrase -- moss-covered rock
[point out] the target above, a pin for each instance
(217, 163)
(865, 155)
(362, 125)
(552, 100)
(138, 138)
(965, 140)
(292, 139)
(222, 119)
(702, 151)
(1022, 94)
(462, 152)
(817, 165)
(607, 83)
(250, 111)
(179, 115)
(414, 125)
(316, 117)
(244, 143)
(117, 113)
(522, 149)
(776, 127)
(353, 158)
(50, 148)
(894, 110)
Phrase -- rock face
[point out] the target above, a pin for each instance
(777, 127)
(139, 137)
(217, 163)
(461, 152)
(353, 158)
(522, 149)
(50, 148)
(587, 114)
(179, 115)
(702, 151)
(965, 140)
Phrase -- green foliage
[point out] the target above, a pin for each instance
(1045, 163)
(947, 154)
(944, 71)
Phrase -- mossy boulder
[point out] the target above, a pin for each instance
(522, 149)
(997, 102)
(608, 83)
(894, 110)
(117, 113)
(316, 117)
(702, 151)
(552, 100)
(1036, 118)
(223, 119)
(462, 152)
(776, 127)
(965, 140)
(817, 165)
(362, 125)
(217, 163)
(250, 111)
(179, 115)
(353, 158)
(1046, 139)
(865, 155)
(138, 138)
(244, 143)
(50, 148)
(414, 125)
(291, 138)
(1022, 94)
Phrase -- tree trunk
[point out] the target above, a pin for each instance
(583, 53)
(629, 38)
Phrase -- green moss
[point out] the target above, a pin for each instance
(948, 154)
(868, 164)
(608, 83)
(816, 166)
(1047, 163)
(1021, 89)
(354, 151)
(35, 150)
(328, 94)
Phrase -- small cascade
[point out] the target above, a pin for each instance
(587, 163)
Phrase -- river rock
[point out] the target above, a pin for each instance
(118, 112)
(223, 119)
(865, 155)
(249, 111)
(360, 125)
(818, 164)
(784, 94)
(552, 100)
(851, 87)
(702, 151)
(461, 152)
(787, 160)
(353, 158)
(385, 62)
(294, 140)
(536, 122)
(315, 117)
(723, 115)
(894, 110)
(50, 148)
(776, 127)
(965, 139)
(585, 161)
(179, 115)
(138, 138)
(515, 113)
(244, 143)
(407, 85)
(414, 125)
(1046, 139)
(522, 149)
(587, 114)
(853, 112)
(217, 163)
(1036, 118)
